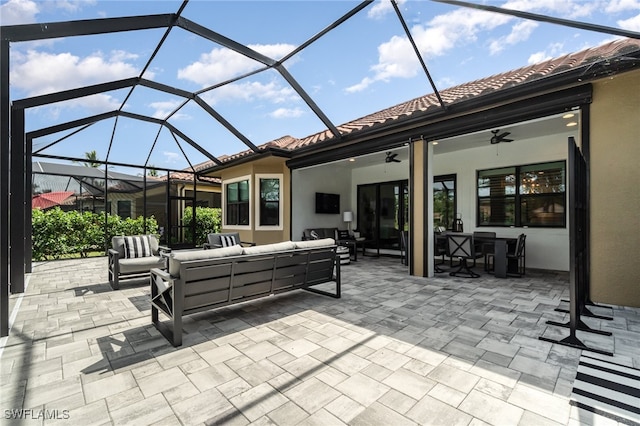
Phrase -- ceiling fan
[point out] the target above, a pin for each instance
(391, 157)
(502, 137)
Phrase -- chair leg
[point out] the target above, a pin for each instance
(464, 265)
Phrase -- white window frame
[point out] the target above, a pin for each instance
(280, 225)
(224, 203)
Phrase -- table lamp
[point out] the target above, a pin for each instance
(348, 217)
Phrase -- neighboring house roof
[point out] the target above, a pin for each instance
(615, 50)
(188, 176)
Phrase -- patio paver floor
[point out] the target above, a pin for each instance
(395, 349)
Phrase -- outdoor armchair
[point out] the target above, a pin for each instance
(228, 239)
(133, 257)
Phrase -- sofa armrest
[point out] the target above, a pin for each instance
(164, 275)
(113, 253)
(161, 281)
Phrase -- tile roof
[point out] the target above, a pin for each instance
(452, 95)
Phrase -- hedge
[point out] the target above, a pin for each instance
(56, 233)
(208, 220)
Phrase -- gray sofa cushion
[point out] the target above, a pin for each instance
(269, 248)
(325, 242)
(185, 255)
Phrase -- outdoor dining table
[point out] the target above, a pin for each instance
(500, 249)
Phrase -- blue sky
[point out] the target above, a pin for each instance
(363, 66)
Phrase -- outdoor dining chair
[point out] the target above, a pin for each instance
(485, 247)
(461, 247)
(516, 257)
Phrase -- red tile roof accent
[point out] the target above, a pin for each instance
(454, 94)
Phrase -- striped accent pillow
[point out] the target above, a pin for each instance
(228, 240)
(137, 246)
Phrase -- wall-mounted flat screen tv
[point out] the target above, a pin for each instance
(327, 203)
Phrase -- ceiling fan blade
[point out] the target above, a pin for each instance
(506, 140)
(504, 135)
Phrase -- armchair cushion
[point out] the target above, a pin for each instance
(117, 244)
(228, 239)
(137, 246)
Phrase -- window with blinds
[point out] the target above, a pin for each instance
(269, 214)
(530, 195)
(237, 203)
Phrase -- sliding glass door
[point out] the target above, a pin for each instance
(383, 213)
(444, 201)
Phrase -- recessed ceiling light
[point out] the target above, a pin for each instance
(572, 123)
(435, 142)
(568, 115)
(352, 159)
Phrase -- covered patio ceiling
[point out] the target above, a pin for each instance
(147, 120)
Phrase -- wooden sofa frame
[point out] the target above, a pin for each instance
(206, 284)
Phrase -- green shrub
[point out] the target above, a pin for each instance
(208, 220)
(56, 233)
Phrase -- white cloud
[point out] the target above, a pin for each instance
(171, 157)
(17, 12)
(396, 58)
(552, 51)
(286, 113)
(631, 24)
(615, 6)
(163, 108)
(33, 74)
(381, 8)
(570, 9)
(461, 26)
(223, 64)
(520, 32)
(251, 91)
(538, 57)
(73, 5)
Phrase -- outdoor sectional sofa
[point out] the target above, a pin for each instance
(199, 280)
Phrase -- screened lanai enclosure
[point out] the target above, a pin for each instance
(197, 90)
(142, 193)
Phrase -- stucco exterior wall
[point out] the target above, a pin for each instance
(268, 165)
(328, 179)
(615, 193)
